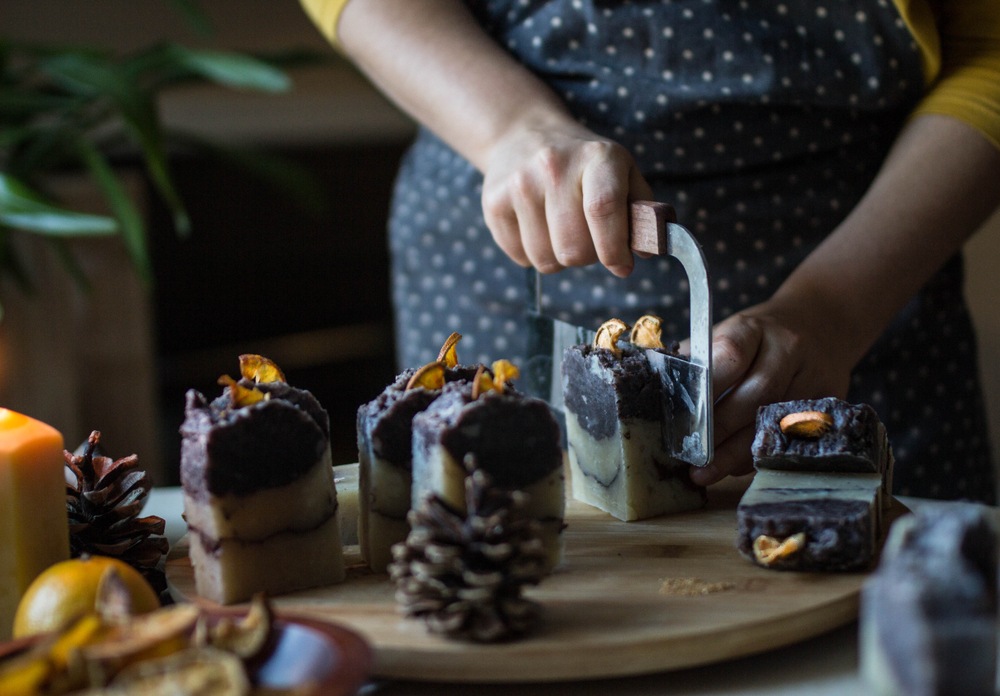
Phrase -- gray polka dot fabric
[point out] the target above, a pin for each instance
(763, 123)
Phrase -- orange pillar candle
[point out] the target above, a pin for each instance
(34, 529)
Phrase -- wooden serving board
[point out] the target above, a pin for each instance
(631, 598)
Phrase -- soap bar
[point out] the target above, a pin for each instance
(854, 440)
(928, 621)
(385, 463)
(615, 436)
(834, 517)
(512, 437)
(34, 527)
(345, 478)
(259, 495)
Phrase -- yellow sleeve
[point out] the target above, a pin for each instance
(960, 43)
(325, 14)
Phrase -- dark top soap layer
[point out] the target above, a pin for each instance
(602, 389)
(226, 450)
(854, 443)
(838, 532)
(512, 437)
(384, 423)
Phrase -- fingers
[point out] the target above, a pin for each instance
(605, 185)
(564, 205)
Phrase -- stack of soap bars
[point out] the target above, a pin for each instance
(823, 480)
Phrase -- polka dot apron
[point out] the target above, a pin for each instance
(763, 123)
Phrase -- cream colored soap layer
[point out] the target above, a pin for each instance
(383, 501)
(345, 478)
(282, 563)
(299, 505)
(617, 474)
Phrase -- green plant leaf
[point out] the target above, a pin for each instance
(139, 113)
(83, 73)
(130, 221)
(230, 69)
(23, 209)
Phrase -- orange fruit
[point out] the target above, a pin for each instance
(68, 590)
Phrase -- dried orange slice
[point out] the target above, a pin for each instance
(806, 424)
(608, 335)
(504, 371)
(481, 383)
(430, 376)
(647, 332)
(260, 369)
(768, 550)
(245, 637)
(448, 354)
(239, 395)
(146, 636)
(193, 671)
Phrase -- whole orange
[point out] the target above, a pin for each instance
(67, 590)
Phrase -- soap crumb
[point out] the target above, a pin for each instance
(693, 587)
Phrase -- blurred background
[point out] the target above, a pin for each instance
(296, 272)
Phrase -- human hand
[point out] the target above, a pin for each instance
(774, 351)
(557, 196)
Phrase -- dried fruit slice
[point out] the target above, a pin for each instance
(260, 369)
(192, 672)
(430, 376)
(481, 382)
(608, 335)
(768, 550)
(448, 355)
(47, 662)
(647, 332)
(147, 636)
(246, 637)
(239, 395)
(811, 424)
(504, 371)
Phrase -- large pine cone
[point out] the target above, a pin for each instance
(104, 497)
(464, 574)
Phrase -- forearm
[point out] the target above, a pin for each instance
(439, 66)
(937, 186)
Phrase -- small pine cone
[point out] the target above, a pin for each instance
(463, 574)
(104, 497)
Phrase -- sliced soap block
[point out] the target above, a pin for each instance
(826, 521)
(385, 462)
(615, 436)
(512, 437)
(928, 622)
(259, 495)
(825, 435)
(34, 528)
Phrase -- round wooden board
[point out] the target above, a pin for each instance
(629, 599)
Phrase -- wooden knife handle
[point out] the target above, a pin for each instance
(648, 226)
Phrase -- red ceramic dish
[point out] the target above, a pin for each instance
(334, 660)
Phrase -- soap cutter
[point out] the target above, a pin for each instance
(686, 381)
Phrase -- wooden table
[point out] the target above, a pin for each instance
(826, 663)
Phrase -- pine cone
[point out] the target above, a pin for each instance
(463, 575)
(103, 500)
